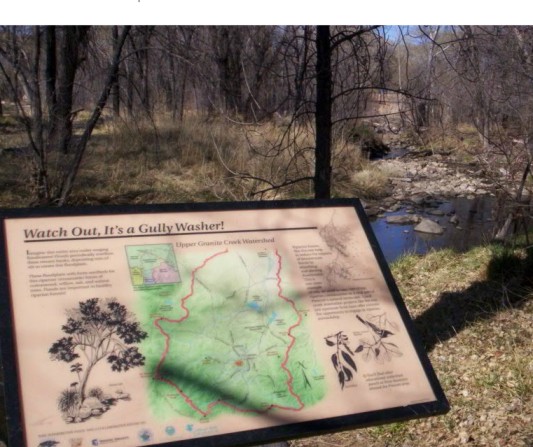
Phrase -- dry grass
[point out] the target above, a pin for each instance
(462, 140)
(371, 182)
(164, 161)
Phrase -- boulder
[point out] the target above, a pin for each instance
(429, 226)
(408, 219)
(394, 208)
(418, 199)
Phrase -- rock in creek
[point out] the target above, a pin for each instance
(403, 220)
(429, 226)
(436, 212)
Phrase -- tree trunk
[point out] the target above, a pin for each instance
(130, 81)
(50, 72)
(84, 380)
(68, 181)
(70, 43)
(323, 114)
(503, 233)
(430, 75)
(483, 124)
(145, 55)
(301, 71)
(115, 91)
(227, 41)
(184, 80)
(37, 127)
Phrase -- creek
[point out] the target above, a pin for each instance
(474, 227)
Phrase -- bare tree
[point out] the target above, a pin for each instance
(493, 83)
(323, 113)
(320, 97)
(48, 122)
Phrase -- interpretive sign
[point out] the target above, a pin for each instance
(203, 324)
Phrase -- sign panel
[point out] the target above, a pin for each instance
(208, 324)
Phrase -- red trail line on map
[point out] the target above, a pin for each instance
(167, 337)
(210, 407)
(289, 333)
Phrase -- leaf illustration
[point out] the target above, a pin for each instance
(385, 356)
(329, 342)
(394, 326)
(348, 349)
(359, 348)
(393, 349)
(335, 361)
(349, 360)
(341, 378)
(380, 332)
(373, 327)
(348, 373)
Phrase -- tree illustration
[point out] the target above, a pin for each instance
(96, 332)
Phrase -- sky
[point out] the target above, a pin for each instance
(261, 12)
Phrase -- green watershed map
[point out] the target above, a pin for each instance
(231, 337)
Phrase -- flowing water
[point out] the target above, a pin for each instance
(475, 227)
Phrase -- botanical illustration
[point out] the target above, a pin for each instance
(344, 267)
(377, 346)
(95, 331)
(343, 358)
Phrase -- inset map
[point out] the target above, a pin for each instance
(152, 264)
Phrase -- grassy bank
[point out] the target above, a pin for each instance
(474, 313)
(195, 160)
